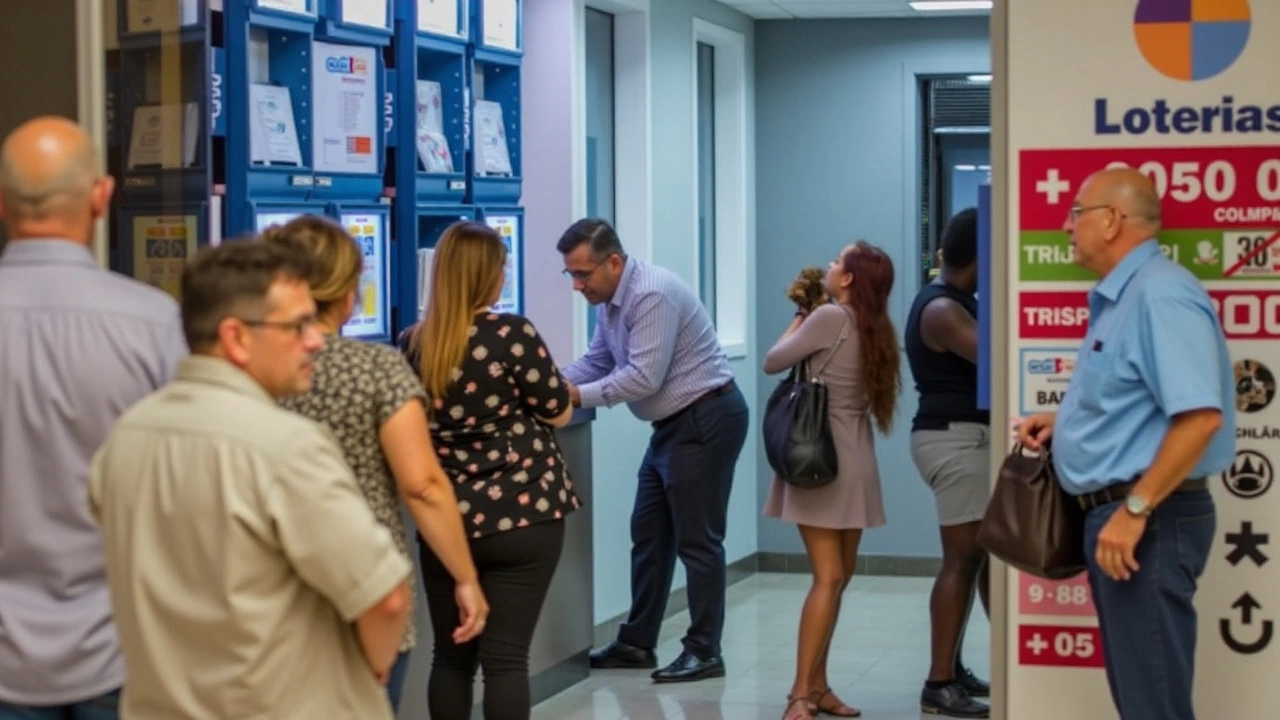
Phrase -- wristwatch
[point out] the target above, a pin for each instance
(1137, 505)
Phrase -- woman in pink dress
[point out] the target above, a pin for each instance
(852, 345)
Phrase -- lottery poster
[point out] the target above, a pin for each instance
(162, 244)
(508, 226)
(1183, 91)
(369, 316)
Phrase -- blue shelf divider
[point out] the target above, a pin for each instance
(243, 178)
(162, 209)
(495, 55)
(286, 40)
(347, 21)
(430, 58)
(429, 222)
(984, 297)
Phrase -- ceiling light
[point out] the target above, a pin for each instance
(980, 78)
(936, 5)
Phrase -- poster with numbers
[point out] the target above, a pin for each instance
(162, 244)
(508, 227)
(369, 314)
(1184, 91)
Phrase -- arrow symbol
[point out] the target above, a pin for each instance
(1224, 628)
(1246, 605)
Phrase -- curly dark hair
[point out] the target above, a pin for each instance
(808, 290)
(872, 272)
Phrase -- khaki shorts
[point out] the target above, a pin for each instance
(956, 464)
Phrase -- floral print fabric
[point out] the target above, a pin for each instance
(507, 469)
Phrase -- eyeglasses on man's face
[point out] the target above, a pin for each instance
(1077, 210)
(584, 275)
(295, 327)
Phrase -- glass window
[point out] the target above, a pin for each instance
(600, 128)
(600, 153)
(706, 111)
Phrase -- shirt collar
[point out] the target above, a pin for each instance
(624, 283)
(209, 370)
(46, 251)
(1114, 283)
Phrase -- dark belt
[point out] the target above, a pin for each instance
(1119, 491)
(724, 389)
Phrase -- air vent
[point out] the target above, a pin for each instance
(959, 104)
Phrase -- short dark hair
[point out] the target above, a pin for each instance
(233, 279)
(594, 232)
(960, 239)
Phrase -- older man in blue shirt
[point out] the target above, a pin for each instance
(1148, 415)
(78, 345)
(655, 349)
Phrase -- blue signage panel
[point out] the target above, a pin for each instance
(984, 297)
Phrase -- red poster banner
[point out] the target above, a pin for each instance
(1060, 646)
(1064, 315)
(1214, 187)
(1053, 315)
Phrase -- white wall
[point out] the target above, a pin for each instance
(619, 440)
(839, 146)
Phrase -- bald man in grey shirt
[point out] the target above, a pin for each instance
(78, 345)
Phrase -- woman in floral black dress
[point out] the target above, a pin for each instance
(495, 396)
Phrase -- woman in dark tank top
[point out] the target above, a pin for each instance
(950, 438)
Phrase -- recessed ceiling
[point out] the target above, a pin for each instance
(815, 9)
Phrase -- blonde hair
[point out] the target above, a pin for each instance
(337, 261)
(466, 273)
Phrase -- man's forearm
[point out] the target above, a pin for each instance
(1184, 444)
(627, 385)
(381, 631)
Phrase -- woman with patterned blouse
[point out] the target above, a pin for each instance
(495, 395)
(370, 399)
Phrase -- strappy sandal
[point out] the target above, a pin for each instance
(805, 714)
(835, 708)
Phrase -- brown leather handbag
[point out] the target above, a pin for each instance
(1031, 523)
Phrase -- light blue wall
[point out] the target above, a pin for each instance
(837, 159)
(619, 440)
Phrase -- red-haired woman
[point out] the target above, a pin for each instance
(852, 345)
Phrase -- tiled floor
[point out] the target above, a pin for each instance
(878, 659)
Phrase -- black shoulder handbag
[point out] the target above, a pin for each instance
(1031, 523)
(797, 429)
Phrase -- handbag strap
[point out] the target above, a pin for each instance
(844, 333)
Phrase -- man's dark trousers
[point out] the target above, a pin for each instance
(682, 501)
(1148, 622)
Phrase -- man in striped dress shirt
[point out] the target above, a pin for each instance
(655, 349)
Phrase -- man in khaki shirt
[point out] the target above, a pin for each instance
(248, 575)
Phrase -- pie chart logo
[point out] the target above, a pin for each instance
(1191, 40)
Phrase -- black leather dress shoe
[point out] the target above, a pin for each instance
(951, 701)
(618, 655)
(971, 682)
(688, 667)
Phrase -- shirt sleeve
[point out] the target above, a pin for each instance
(395, 385)
(595, 364)
(326, 528)
(818, 332)
(652, 344)
(542, 388)
(1181, 364)
(168, 347)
